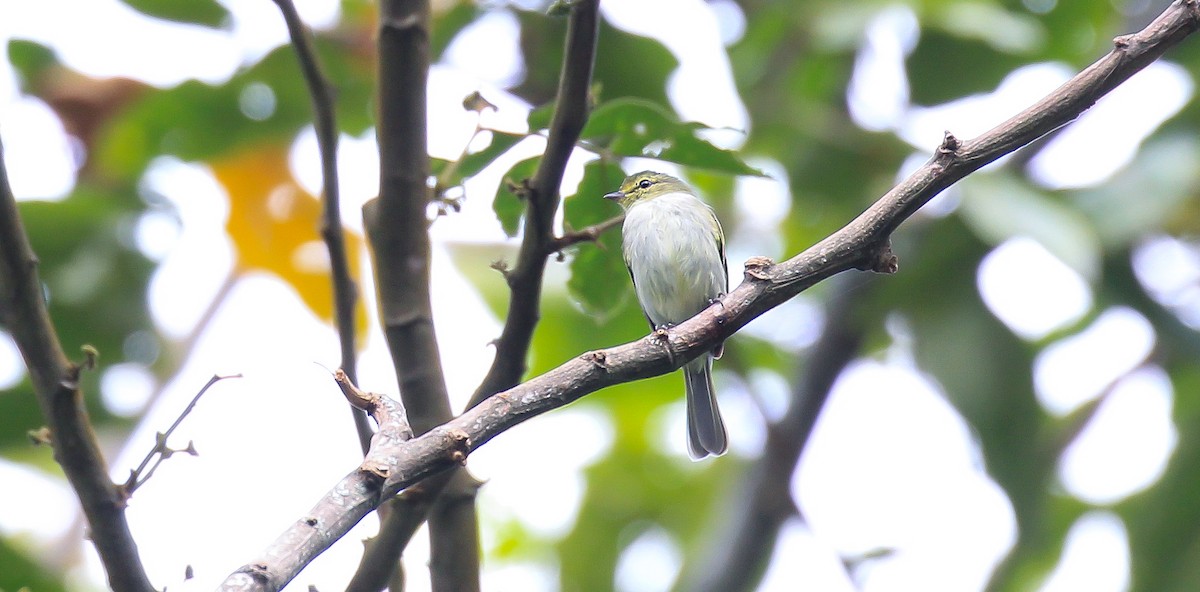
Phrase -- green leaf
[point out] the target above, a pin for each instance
(30, 60)
(197, 12)
(198, 121)
(599, 282)
(636, 127)
(615, 73)
(508, 205)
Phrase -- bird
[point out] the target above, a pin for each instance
(675, 251)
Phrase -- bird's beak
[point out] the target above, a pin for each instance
(615, 196)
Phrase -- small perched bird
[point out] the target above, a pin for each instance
(675, 251)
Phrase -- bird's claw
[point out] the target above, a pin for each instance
(662, 334)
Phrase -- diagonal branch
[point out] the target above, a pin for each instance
(525, 281)
(56, 382)
(861, 244)
(345, 291)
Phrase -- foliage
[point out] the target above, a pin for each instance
(792, 64)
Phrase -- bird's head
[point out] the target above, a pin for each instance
(646, 185)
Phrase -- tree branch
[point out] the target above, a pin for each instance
(525, 280)
(584, 235)
(397, 228)
(56, 383)
(345, 290)
(861, 244)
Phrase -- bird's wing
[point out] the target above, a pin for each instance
(719, 234)
(633, 281)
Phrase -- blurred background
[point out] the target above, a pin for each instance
(1016, 409)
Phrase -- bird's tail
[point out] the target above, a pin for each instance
(706, 430)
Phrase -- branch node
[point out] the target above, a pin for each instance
(380, 470)
(598, 359)
(460, 443)
(1122, 41)
(502, 267)
(310, 520)
(950, 144)
(883, 260)
(758, 268)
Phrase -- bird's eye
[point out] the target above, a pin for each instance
(644, 183)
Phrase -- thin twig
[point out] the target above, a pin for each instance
(345, 289)
(525, 280)
(160, 452)
(589, 234)
(861, 244)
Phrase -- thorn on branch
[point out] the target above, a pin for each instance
(41, 436)
(502, 267)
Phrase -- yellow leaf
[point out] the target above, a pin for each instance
(274, 224)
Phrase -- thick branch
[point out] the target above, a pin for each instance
(397, 226)
(862, 244)
(56, 383)
(345, 290)
(525, 280)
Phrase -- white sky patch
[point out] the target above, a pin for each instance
(357, 165)
(201, 256)
(1095, 556)
(1170, 271)
(127, 43)
(896, 468)
(649, 564)
(489, 49)
(878, 93)
(970, 116)
(126, 388)
(802, 561)
(1030, 290)
(155, 234)
(1167, 266)
(1076, 369)
(730, 20)
(12, 365)
(762, 204)
(563, 445)
(1105, 464)
(36, 507)
(1119, 122)
(37, 152)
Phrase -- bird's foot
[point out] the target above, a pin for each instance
(662, 334)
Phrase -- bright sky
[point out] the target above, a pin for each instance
(869, 480)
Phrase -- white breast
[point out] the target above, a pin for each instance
(672, 252)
